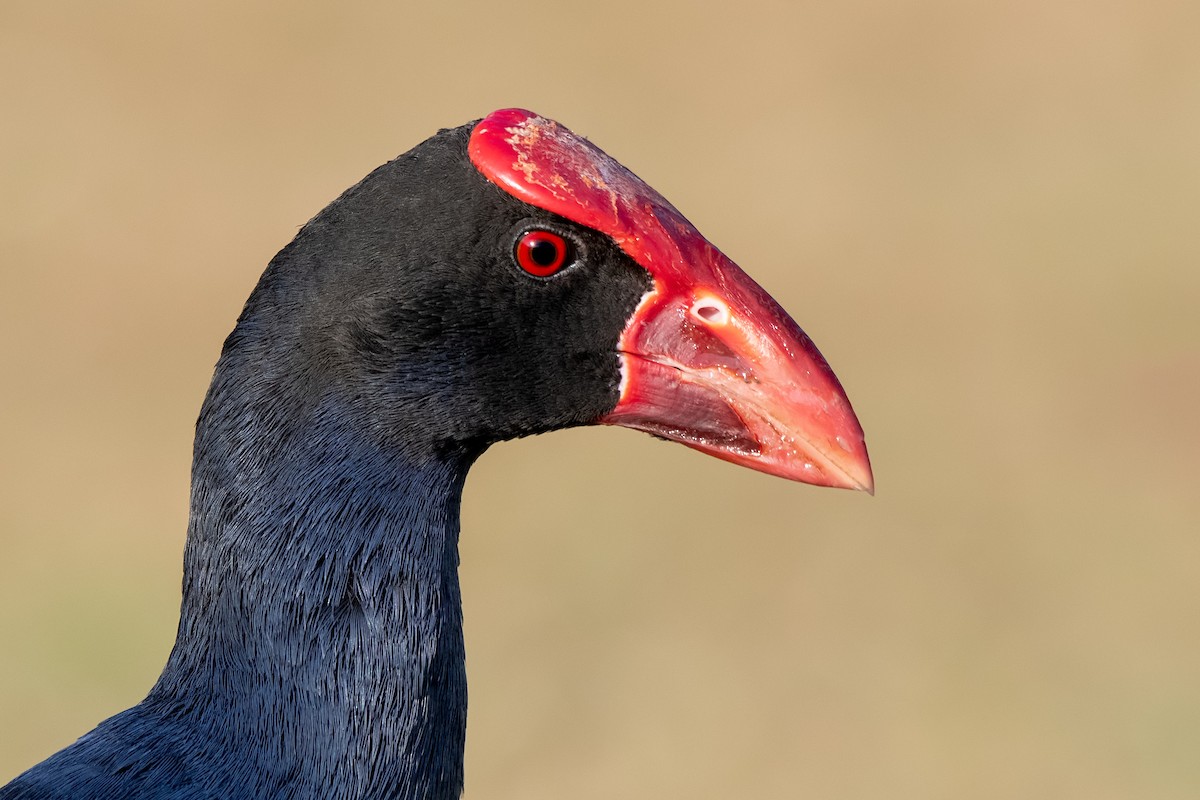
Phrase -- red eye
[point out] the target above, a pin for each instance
(541, 253)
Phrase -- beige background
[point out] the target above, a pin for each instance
(984, 213)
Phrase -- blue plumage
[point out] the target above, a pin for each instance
(320, 649)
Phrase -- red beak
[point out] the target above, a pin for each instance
(719, 366)
(708, 358)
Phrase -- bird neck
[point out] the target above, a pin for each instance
(320, 636)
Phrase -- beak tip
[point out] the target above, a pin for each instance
(851, 471)
(865, 479)
(858, 481)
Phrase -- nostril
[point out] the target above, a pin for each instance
(711, 310)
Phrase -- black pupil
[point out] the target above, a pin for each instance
(544, 252)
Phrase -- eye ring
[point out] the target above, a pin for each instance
(542, 253)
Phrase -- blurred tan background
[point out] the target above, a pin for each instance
(985, 214)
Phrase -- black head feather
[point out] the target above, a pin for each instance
(403, 301)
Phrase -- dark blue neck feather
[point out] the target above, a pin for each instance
(320, 641)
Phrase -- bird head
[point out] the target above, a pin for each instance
(508, 277)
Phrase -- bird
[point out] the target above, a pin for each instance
(501, 279)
